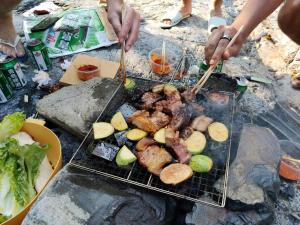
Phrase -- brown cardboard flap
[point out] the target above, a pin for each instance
(107, 68)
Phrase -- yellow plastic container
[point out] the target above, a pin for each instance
(42, 135)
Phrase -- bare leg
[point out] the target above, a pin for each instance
(215, 8)
(185, 9)
(289, 19)
(7, 30)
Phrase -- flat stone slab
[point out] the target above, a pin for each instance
(76, 107)
(254, 170)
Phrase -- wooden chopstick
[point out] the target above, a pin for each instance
(123, 53)
(207, 74)
(163, 56)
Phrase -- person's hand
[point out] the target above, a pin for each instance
(128, 30)
(216, 45)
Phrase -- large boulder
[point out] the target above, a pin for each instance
(253, 174)
(79, 198)
(76, 107)
(207, 215)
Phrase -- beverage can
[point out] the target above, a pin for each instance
(13, 72)
(40, 54)
(5, 89)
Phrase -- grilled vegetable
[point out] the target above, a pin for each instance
(102, 130)
(175, 173)
(160, 136)
(118, 122)
(136, 134)
(201, 123)
(129, 83)
(201, 163)
(158, 88)
(196, 143)
(125, 157)
(218, 132)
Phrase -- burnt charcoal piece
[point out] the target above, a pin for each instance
(122, 139)
(105, 151)
(127, 110)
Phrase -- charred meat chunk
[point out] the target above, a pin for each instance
(188, 95)
(148, 99)
(181, 117)
(141, 119)
(144, 144)
(186, 133)
(154, 158)
(178, 145)
(160, 119)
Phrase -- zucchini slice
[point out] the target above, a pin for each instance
(196, 143)
(118, 122)
(160, 136)
(102, 130)
(201, 163)
(129, 83)
(218, 132)
(125, 157)
(136, 134)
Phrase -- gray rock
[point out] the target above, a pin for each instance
(75, 197)
(76, 107)
(207, 215)
(254, 170)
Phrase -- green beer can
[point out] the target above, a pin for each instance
(5, 90)
(40, 54)
(13, 72)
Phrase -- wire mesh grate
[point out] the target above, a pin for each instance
(197, 188)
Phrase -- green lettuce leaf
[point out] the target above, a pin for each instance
(3, 218)
(11, 124)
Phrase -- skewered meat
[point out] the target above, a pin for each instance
(154, 158)
(149, 98)
(144, 144)
(186, 133)
(218, 98)
(201, 123)
(141, 119)
(160, 119)
(177, 144)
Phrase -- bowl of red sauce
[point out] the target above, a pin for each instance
(160, 66)
(87, 71)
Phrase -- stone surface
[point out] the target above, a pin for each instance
(254, 170)
(207, 215)
(79, 198)
(76, 107)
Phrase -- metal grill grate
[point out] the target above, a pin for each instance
(199, 186)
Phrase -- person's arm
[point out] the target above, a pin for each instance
(129, 30)
(251, 15)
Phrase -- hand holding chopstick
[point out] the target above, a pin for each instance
(207, 74)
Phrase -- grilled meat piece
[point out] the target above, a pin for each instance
(188, 95)
(177, 144)
(168, 106)
(197, 109)
(160, 119)
(141, 119)
(181, 117)
(149, 98)
(201, 123)
(144, 144)
(218, 98)
(186, 133)
(154, 158)
(173, 95)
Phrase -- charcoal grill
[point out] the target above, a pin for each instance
(198, 188)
